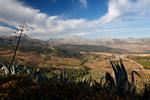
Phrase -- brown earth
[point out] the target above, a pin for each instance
(98, 66)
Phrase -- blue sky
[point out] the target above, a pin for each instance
(47, 19)
(71, 8)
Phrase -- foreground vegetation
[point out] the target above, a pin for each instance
(25, 83)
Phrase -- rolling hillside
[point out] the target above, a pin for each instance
(142, 45)
(28, 44)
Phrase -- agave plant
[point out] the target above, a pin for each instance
(110, 83)
(8, 69)
(132, 77)
(5, 68)
(121, 77)
(133, 87)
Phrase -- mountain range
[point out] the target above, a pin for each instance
(136, 45)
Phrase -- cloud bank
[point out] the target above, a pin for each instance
(43, 26)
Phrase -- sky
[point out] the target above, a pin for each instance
(92, 19)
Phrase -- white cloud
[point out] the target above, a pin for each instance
(42, 26)
(58, 24)
(115, 9)
(83, 3)
(6, 31)
(13, 12)
(121, 8)
(36, 21)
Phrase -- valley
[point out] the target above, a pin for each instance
(99, 63)
(97, 57)
(77, 62)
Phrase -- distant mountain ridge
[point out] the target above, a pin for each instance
(139, 45)
(26, 43)
(90, 48)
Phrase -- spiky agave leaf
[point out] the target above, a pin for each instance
(13, 69)
(133, 87)
(121, 77)
(123, 68)
(114, 66)
(132, 76)
(110, 83)
(101, 80)
(6, 70)
(114, 69)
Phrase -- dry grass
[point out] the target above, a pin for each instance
(23, 58)
(64, 61)
(98, 63)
